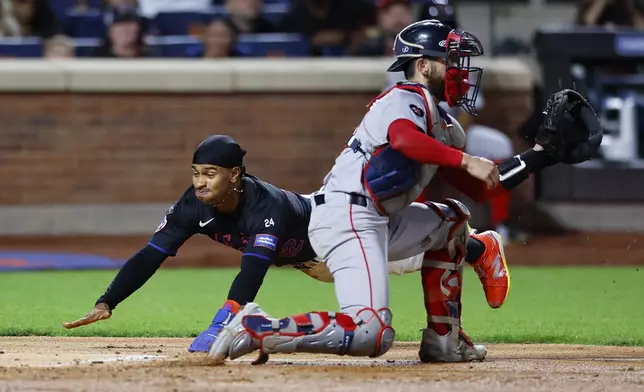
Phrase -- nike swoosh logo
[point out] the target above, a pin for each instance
(202, 224)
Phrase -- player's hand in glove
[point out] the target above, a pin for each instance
(100, 312)
(481, 168)
(571, 132)
(205, 339)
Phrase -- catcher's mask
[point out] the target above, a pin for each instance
(435, 40)
(462, 81)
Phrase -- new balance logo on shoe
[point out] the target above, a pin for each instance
(498, 269)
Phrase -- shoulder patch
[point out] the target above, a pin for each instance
(171, 209)
(266, 241)
(417, 111)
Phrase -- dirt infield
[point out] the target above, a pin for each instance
(111, 364)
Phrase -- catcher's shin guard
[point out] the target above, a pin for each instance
(368, 334)
(442, 280)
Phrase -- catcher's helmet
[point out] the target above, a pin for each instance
(453, 47)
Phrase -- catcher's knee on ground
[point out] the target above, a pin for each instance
(367, 334)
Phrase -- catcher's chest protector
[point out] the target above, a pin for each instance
(392, 179)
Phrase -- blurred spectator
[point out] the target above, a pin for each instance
(393, 16)
(442, 10)
(26, 18)
(611, 13)
(125, 30)
(219, 40)
(59, 47)
(330, 23)
(246, 17)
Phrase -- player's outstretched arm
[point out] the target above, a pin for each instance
(512, 172)
(134, 273)
(249, 280)
(244, 289)
(570, 133)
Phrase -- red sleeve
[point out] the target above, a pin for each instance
(472, 187)
(405, 137)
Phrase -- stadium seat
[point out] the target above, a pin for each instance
(273, 45)
(86, 24)
(249, 45)
(334, 51)
(186, 22)
(180, 23)
(85, 47)
(176, 46)
(287, 2)
(275, 12)
(61, 8)
(20, 47)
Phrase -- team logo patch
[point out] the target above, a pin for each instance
(164, 222)
(442, 43)
(266, 241)
(417, 111)
(405, 49)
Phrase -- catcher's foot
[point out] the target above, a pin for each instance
(448, 348)
(492, 268)
(232, 335)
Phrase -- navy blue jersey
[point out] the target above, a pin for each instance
(270, 223)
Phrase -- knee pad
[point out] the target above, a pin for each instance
(369, 333)
(373, 335)
(456, 215)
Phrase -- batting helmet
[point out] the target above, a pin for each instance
(453, 47)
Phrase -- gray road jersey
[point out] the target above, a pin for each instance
(346, 174)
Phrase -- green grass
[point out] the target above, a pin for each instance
(546, 305)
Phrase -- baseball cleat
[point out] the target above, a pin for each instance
(492, 269)
(447, 348)
(220, 349)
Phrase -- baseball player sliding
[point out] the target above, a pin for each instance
(365, 210)
(268, 225)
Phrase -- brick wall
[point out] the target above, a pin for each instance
(136, 148)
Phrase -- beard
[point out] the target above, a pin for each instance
(436, 84)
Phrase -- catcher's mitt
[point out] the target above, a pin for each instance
(570, 132)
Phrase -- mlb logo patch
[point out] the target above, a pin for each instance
(266, 241)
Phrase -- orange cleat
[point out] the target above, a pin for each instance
(492, 269)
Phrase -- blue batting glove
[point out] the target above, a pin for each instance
(204, 340)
